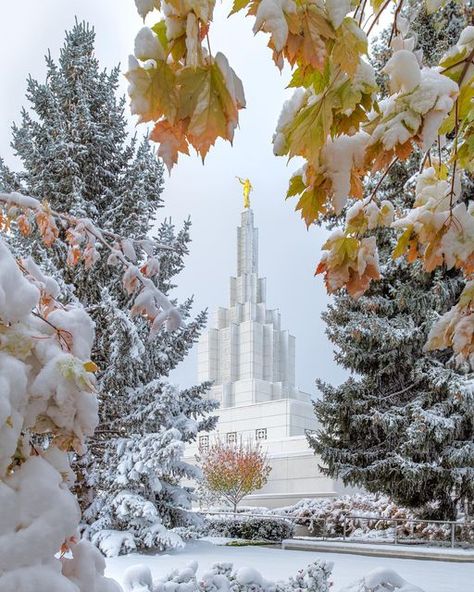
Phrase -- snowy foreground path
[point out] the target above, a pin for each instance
(276, 564)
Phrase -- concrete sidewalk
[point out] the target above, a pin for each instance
(381, 550)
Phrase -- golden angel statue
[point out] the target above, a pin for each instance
(247, 189)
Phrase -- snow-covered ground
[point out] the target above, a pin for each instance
(275, 564)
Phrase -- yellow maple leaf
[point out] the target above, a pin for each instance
(90, 366)
(350, 44)
(316, 32)
(239, 5)
(153, 92)
(376, 4)
(212, 110)
(312, 203)
(402, 243)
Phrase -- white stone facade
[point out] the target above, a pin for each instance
(251, 361)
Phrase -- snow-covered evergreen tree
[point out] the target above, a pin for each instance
(142, 502)
(404, 423)
(76, 155)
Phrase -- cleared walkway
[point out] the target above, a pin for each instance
(380, 550)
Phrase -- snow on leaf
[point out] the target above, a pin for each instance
(271, 18)
(148, 46)
(152, 91)
(130, 279)
(337, 11)
(349, 262)
(146, 6)
(455, 329)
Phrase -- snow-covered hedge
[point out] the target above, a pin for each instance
(262, 528)
(222, 577)
(327, 516)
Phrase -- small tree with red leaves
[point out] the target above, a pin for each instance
(233, 471)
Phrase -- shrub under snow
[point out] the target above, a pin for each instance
(266, 528)
(222, 577)
(326, 517)
(381, 580)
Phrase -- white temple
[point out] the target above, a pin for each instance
(251, 361)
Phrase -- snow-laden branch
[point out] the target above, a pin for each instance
(83, 236)
(47, 388)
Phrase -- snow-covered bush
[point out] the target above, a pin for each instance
(46, 388)
(366, 515)
(262, 528)
(222, 577)
(327, 515)
(381, 580)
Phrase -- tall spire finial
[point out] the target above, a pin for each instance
(247, 188)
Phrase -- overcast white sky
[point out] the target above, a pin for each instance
(210, 194)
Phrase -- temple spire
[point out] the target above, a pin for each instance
(248, 343)
(247, 247)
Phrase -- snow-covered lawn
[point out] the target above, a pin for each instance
(275, 564)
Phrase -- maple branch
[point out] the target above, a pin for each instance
(362, 5)
(453, 178)
(208, 45)
(394, 24)
(56, 329)
(427, 156)
(377, 16)
(9, 199)
(27, 203)
(463, 61)
(382, 178)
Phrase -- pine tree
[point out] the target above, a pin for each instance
(76, 155)
(142, 502)
(404, 424)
